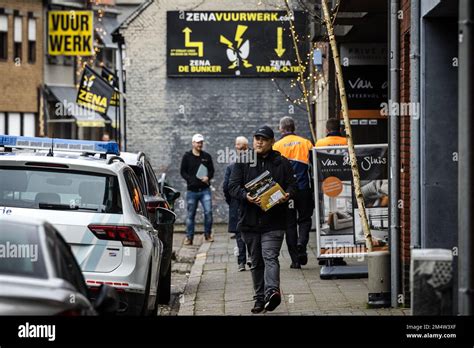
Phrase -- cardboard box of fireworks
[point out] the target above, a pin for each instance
(269, 191)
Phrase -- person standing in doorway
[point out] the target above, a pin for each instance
(300, 209)
(198, 170)
(333, 137)
(263, 231)
(241, 144)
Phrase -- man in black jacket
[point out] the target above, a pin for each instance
(241, 144)
(198, 170)
(263, 232)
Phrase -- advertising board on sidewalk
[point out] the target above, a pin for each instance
(338, 225)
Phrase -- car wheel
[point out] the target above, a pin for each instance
(164, 293)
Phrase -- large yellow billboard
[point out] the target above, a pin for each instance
(70, 33)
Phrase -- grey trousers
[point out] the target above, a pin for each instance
(264, 249)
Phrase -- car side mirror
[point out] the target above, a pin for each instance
(165, 216)
(171, 194)
(107, 301)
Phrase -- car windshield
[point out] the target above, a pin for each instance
(59, 190)
(20, 251)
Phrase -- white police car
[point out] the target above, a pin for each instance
(97, 206)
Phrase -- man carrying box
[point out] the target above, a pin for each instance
(263, 230)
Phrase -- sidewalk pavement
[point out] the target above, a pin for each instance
(215, 287)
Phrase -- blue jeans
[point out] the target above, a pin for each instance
(192, 199)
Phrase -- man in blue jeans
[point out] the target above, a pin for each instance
(198, 170)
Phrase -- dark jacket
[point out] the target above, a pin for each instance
(232, 202)
(252, 218)
(189, 167)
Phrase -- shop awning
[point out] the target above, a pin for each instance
(67, 109)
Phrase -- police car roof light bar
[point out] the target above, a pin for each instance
(66, 145)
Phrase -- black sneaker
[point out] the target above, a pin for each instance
(295, 265)
(258, 307)
(273, 301)
(302, 255)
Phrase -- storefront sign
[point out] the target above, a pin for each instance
(220, 43)
(70, 33)
(339, 229)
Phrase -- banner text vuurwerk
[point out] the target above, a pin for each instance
(234, 43)
(70, 33)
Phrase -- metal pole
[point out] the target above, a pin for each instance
(394, 151)
(123, 145)
(415, 125)
(466, 160)
(116, 134)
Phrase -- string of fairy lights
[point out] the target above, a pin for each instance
(303, 67)
(313, 83)
(99, 33)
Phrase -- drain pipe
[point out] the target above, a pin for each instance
(466, 160)
(415, 125)
(394, 150)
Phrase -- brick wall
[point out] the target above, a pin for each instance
(163, 113)
(19, 81)
(405, 151)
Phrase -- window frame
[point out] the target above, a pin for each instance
(32, 43)
(110, 177)
(4, 34)
(132, 184)
(18, 45)
(151, 179)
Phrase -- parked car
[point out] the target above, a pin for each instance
(156, 195)
(97, 206)
(40, 276)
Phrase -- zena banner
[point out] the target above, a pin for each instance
(94, 92)
(113, 80)
(339, 229)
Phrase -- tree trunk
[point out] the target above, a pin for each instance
(345, 114)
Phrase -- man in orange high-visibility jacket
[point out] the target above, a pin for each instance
(333, 135)
(333, 138)
(300, 210)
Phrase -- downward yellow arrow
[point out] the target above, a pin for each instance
(280, 50)
(188, 43)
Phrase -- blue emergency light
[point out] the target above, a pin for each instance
(67, 145)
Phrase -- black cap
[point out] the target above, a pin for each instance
(264, 131)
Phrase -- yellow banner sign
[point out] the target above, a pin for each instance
(70, 33)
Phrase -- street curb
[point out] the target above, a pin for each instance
(188, 299)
